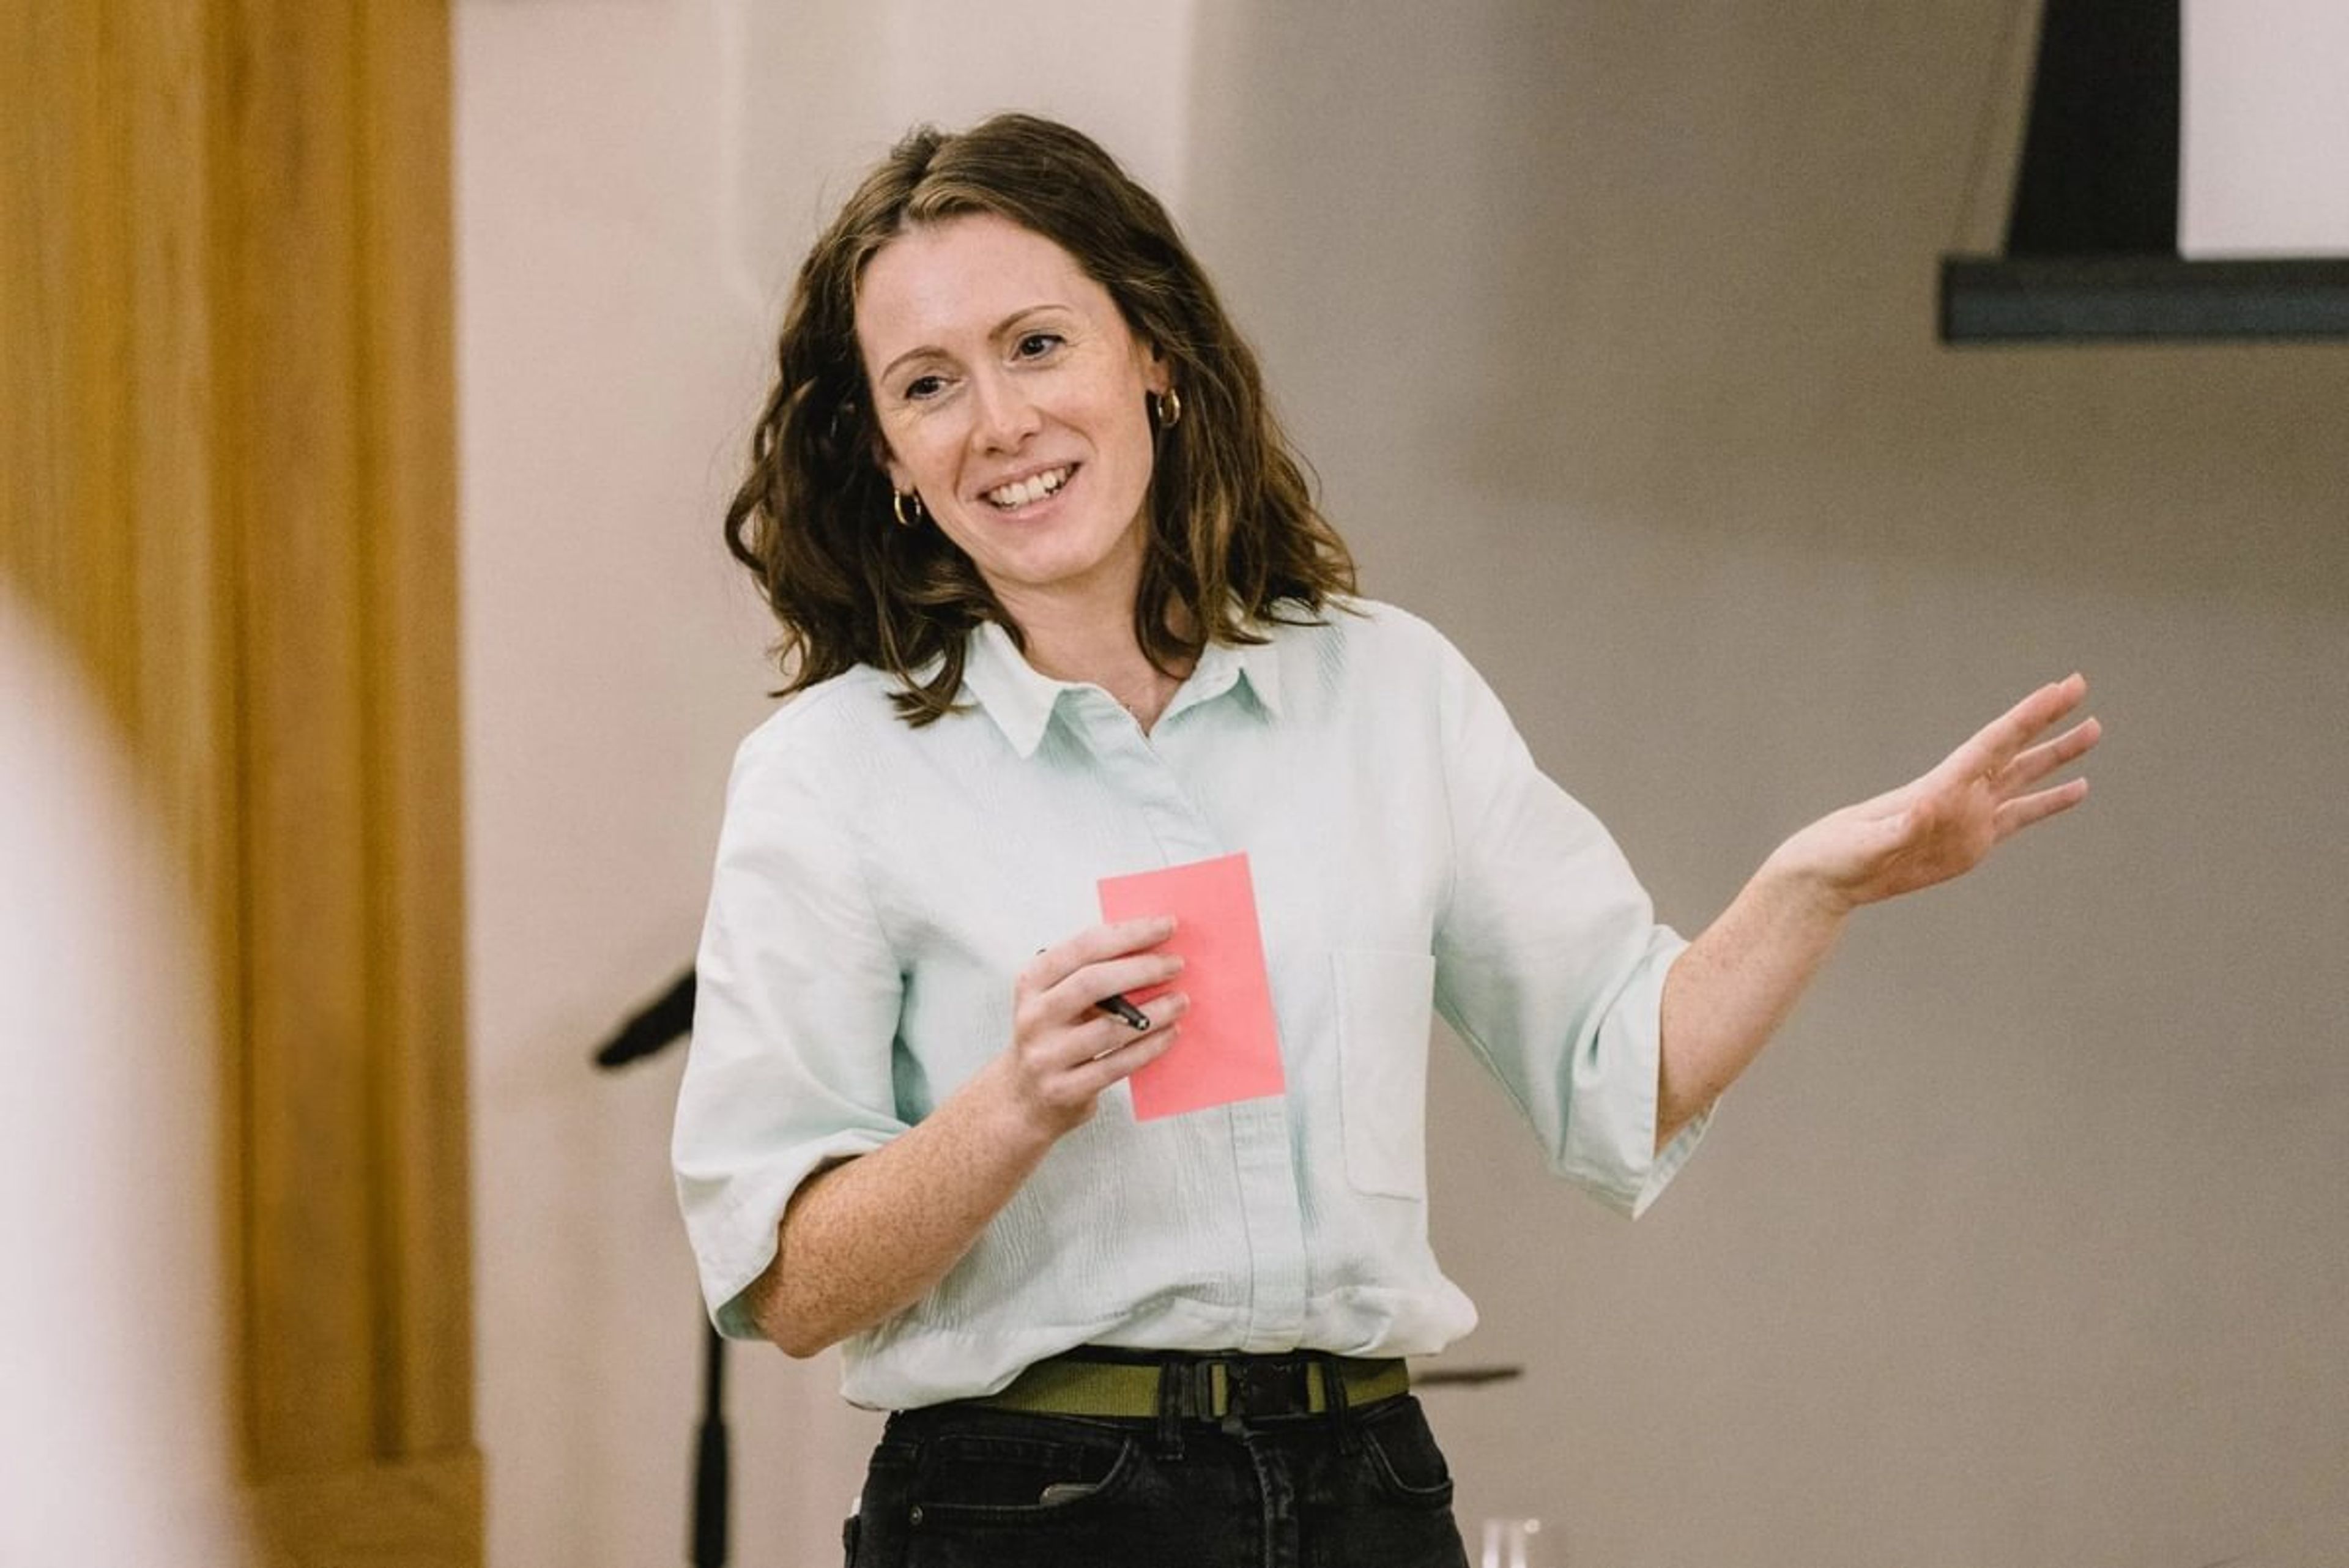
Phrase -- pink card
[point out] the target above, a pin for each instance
(1229, 1048)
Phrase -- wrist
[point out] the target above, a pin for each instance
(1014, 1120)
(1788, 881)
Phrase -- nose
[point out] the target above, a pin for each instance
(1005, 416)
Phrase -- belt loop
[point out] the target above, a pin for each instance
(1222, 1384)
(1173, 1385)
(1333, 1393)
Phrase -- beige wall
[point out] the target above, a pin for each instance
(637, 180)
(1609, 330)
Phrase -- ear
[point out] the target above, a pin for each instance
(1157, 371)
(891, 468)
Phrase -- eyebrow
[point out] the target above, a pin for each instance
(996, 334)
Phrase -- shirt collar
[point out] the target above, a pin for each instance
(1014, 695)
(1021, 700)
(1222, 666)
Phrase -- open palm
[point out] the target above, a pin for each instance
(1944, 824)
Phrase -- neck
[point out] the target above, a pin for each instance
(1095, 646)
(1104, 652)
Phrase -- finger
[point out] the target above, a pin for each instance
(2022, 812)
(2044, 758)
(1080, 993)
(1126, 1060)
(1997, 743)
(1107, 1036)
(1113, 939)
(1074, 1042)
(1091, 1034)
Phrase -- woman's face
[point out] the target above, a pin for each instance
(1011, 398)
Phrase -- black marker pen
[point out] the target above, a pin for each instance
(1124, 1009)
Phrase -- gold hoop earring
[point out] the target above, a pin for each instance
(908, 505)
(1167, 407)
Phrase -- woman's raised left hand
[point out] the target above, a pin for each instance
(1944, 824)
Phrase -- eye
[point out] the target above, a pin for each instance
(922, 388)
(1036, 345)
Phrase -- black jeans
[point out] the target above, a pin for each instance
(957, 1486)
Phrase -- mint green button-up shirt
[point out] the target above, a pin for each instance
(877, 887)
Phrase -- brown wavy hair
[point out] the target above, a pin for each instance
(1233, 533)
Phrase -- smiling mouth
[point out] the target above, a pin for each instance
(1029, 491)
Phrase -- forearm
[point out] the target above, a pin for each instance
(862, 1241)
(1727, 994)
(866, 1239)
(1736, 983)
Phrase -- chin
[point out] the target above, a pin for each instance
(1059, 563)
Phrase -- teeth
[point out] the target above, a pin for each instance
(1031, 489)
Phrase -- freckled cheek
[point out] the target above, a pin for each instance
(935, 463)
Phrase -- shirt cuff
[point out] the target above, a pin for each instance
(733, 1224)
(1611, 1142)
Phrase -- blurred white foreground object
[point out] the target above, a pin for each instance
(114, 1423)
(1512, 1543)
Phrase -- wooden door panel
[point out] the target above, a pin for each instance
(225, 378)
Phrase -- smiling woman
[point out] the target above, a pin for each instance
(1014, 404)
(1056, 609)
(985, 308)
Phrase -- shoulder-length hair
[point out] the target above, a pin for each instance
(1234, 534)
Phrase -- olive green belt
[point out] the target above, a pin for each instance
(1204, 1388)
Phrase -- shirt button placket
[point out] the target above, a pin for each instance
(1140, 777)
(1272, 1213)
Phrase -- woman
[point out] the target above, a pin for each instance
(1056, 606)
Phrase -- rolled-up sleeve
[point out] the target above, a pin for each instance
(1549, 961)
(796, 1004)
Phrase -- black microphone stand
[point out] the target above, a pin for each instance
(652, 1030)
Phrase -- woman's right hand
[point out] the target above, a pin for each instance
(863, 1239)
(1064, 1051)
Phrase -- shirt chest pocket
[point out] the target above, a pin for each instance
(1384, 1012)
